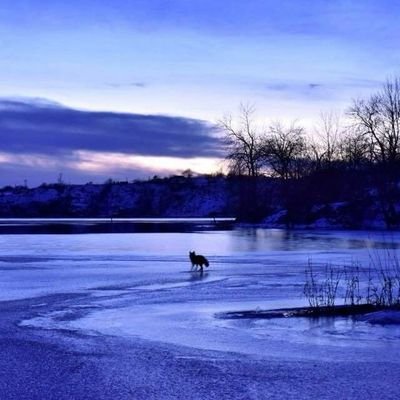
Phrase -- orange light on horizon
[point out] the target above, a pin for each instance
(103, 162)
(111, 163)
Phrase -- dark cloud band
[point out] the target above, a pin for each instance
(48, 128)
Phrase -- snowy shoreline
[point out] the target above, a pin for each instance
(202, 197)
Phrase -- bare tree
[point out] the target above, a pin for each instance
(243, 141)
(284, 150)
(355, 149)
(378, 118)
(325, 147)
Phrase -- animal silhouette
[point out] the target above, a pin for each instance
(198, 260)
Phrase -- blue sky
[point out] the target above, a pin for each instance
(194, 60)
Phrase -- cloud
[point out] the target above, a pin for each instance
(302, 90)
(140, 85)
(298, 90)
(41, 139)
(292, 86)
(45, 127)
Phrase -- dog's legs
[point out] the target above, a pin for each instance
(194, 267)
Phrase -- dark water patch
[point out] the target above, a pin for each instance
(108, 225)
(72, 315)
(23, 259)
(317, 312)
(20, 268)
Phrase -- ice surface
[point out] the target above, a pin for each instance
(140, 285)
(385, 317)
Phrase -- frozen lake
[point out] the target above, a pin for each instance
(139, 285)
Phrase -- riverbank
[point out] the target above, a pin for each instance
(343, 202)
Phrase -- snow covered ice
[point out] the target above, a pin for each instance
(139, 286)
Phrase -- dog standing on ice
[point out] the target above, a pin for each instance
(198, 260)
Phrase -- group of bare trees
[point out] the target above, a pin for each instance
(378, 120)
(255, 152)
(244, 143)
(371, 136)
(354, 160)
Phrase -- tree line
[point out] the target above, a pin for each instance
(357, 161)
(371, 136)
